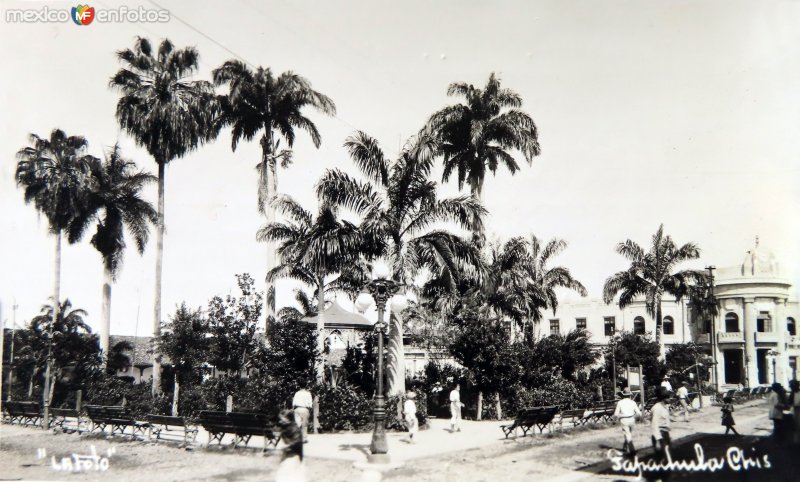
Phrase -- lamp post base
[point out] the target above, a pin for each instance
(379, 459)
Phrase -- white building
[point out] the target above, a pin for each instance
(756, 338)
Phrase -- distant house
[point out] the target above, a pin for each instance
(141, 357)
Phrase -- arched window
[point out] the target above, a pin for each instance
(669, 325)
(731, 323)
(638, 325)
(790, 326)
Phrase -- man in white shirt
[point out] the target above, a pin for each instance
(455, 409)
(666, 384)
(626, 412)
(660, 422)
(683, 398)
(302, 404)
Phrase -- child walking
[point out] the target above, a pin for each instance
(410, 412)
(727, 415)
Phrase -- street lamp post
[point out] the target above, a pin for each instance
(774, 356)
(381, 289)
(713, 334)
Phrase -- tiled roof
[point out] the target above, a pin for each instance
(142, 353)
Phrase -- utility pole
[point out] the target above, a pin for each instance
(713, 334)
(11, 355)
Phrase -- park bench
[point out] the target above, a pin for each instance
(117, 417)
(170, 428)
(241, 425)
(741, 396)
(575, 417)
(24, 413)
(529, 419)
(602, 411)
(63, 418)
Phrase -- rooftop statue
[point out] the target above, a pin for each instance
(759, 262)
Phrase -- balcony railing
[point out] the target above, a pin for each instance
(702, 338)
(793, 340)
(767, 337)
(730, 337)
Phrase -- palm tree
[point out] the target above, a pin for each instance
(403, 220)
(311, 249)
(478, 135)
(651, 274)
(258, 101)
(115, 191)
(64, 342)
(53, 174)
(168, 114)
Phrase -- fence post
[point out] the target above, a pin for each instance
(316, 414)
(229, 404)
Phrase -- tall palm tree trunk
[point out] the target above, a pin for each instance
(321, 327)
(396, 366)
(269, 211)
(47, 396)
(159, 261)
(660, 332)
(479, 415)
(105, 315)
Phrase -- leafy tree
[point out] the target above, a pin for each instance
(113, 200)
(232, 325)
(682, 358)
(185, 341)
(258, 101)
(563, 354)
(404, 221)
(634, 350)
(652, 275)
(118, 359)
(479, 134)
(290, 355)
(483, 348)
(359, 364)
(170, 115)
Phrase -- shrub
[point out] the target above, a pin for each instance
(563, 393)
(343, 408)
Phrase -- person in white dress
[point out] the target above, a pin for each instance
(455, 409)
(410, 415)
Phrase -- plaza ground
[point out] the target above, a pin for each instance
(478, 452)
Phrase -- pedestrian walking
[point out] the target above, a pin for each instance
(683, 399)
(794, 406)
(302, 404)
(660, 428)
(410, 415)
(776, 402)
(291, 468)
(727, 415)
(626, 412)
(455, 409)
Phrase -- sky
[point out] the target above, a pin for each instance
(676, 112)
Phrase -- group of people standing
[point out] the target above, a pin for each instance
(784, 411)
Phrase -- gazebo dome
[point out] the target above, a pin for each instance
(334, 316)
